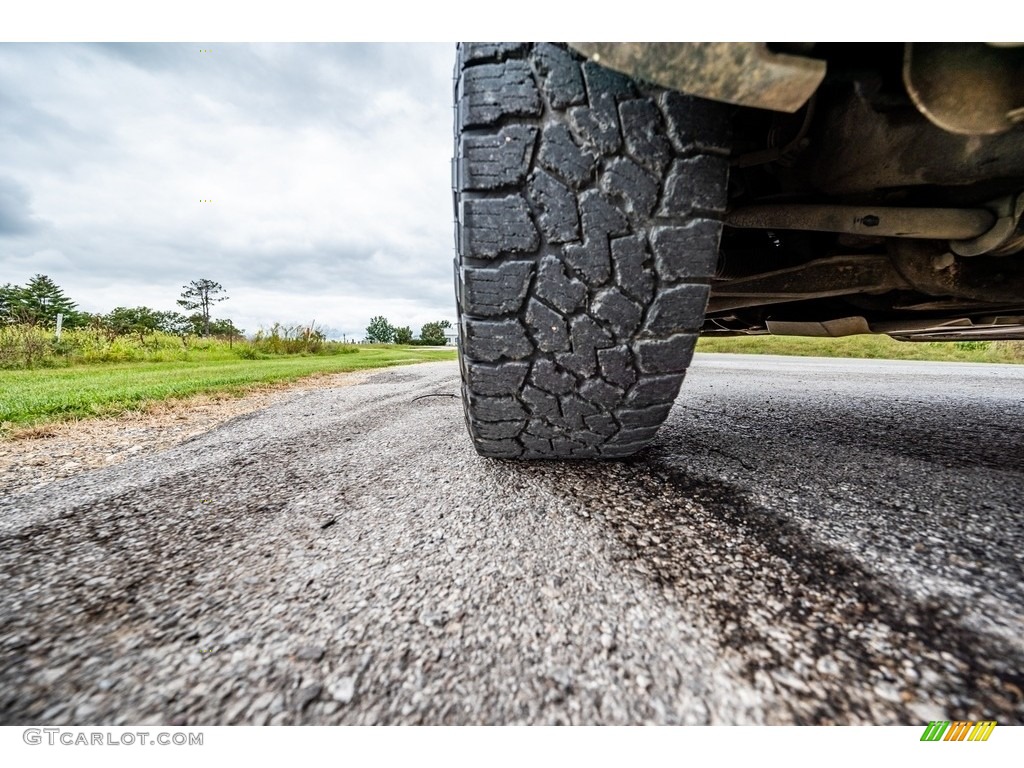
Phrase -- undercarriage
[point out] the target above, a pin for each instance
(889, 201)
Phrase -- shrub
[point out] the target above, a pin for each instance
(22, 345)
(971, 346)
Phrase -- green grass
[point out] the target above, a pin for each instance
(92, 379)
(29, 397)
(877, 347)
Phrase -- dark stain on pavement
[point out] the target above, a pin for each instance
(795, 608)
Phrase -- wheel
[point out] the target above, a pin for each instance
(588, 214)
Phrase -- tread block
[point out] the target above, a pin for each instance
(589, 438)
(620, 313)
(617, 366)
(597, 126)
(502, 379)
(498, 449)
(562, 292)
(574, 408)
(561, 79)
(541, 404)
(627, 181)
(695, 183)
(492, 91)
(678, 308)
(497, 160)
(539, 428)
(492, 340)
(493, 409)
(687, 252)
(499, 430)
(580, 363)
(496, 291)
(602, 424)
(561, 155)
(564, 447)
(559, 220)
(648, 416)
(592, 260)
(547, 327)
(482, 51)
(536, 447)
(496, 226)
(587, 336)
(602, 393)
(651, 390)
(622, 450)
(642, 131)
(601, 80)
(670, 355)
(636, 434)
(562, 425)
(629, 255)
(600, 216)
(547, 376)
(695, 124)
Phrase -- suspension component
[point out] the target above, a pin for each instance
(872, 221)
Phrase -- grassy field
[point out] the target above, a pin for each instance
(877, 347)
(86, 375)
(35, 396)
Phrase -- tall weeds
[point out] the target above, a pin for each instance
(27, 346)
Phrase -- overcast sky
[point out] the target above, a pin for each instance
(328, 168)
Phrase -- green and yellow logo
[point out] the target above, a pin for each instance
(960, 730)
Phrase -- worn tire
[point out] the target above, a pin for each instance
(588, 214)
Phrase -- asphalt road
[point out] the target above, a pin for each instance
(809, 541)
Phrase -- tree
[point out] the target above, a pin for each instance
(140, 320)
(224, 327)
(196, 324)
(198, 296)
(403, 335)
(10, 303)
(176, 324)
(38, 303)
(433, 333)
(380, 331)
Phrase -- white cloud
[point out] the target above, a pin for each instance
(327, 167)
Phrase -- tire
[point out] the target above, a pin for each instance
(588, 215)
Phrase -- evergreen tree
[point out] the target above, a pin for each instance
(10, 303)
(39, 303)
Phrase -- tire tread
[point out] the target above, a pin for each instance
(589, 213)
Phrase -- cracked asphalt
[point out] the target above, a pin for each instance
(808, 541)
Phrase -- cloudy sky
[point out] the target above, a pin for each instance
(326, 168)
